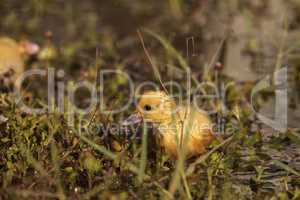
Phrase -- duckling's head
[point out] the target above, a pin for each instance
(154, 107)
(24, 47)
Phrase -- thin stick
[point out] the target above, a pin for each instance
(97, 87)
(201, 159)
(155, 69)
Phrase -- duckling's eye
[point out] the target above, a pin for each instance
(147, 107)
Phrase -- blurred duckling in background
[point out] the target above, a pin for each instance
(12, 57)
(178, 126)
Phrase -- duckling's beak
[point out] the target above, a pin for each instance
(132, 119)
(29, 48)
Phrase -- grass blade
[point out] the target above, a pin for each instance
(143, 160)
(286, 167)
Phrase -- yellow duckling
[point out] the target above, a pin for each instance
(178, 125)
(12, 56)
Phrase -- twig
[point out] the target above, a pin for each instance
(155, 69)
(201, 159)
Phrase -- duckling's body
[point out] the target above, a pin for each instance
(12, 56)
(193, 125)
(11, 62)
(180, 127)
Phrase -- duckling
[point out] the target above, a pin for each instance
(178, 126)
(12, 58)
